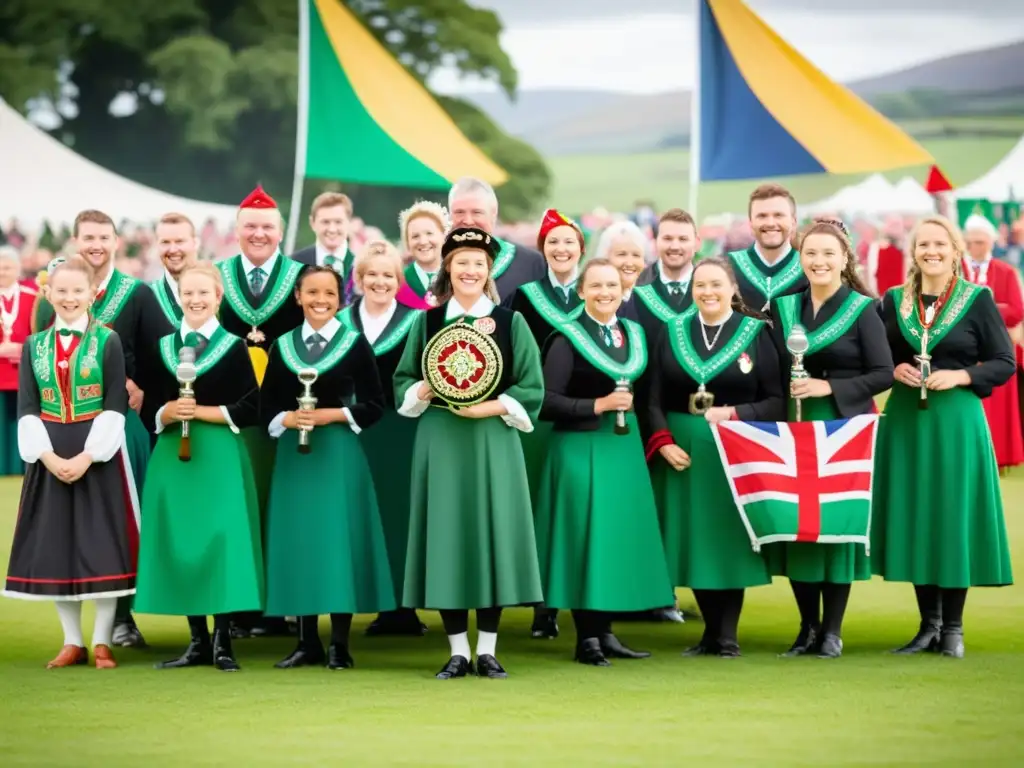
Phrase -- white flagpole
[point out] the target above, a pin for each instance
(695, 98)
(301, 128)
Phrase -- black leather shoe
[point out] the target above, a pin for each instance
(926, 640)
(831, 647)
(729, 650)
(488, 666)
(952, 643)
(198, 654)
(223, 656)
(304, 655)
(271, 627)
(338, 657)
(806, 642)
(457, 666)
(612, 646)
(238, 632)
(589, 652)
(545, 625)
(401, 623)
(127, 635)
(702, 649)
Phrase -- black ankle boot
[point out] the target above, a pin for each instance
(223, 655)
(930, 629)
(545, 623)
(951, 642)
(309, 651)
(200, 650)
(806, 641)
(588, 651)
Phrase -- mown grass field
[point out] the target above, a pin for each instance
(616, 182)
(868, 708)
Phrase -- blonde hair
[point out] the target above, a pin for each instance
(912, 285)
(177, 218)
(372, 250)
(419, 209)
(206, 269)
(74, 263)
(330, 200)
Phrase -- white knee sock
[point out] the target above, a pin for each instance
(460, 645)
(70, 613)
(486, 643)
(103, 629)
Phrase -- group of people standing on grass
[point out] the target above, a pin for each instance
(489, 427)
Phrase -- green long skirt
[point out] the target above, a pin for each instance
(200, 550)
(597, 525)
(471, 536)
(388, 448)
(535, 451)
(262, 450)
(804, 561)
(325, 545)
(139, 445)
(10, 455)
(937, 514)
(706, 544)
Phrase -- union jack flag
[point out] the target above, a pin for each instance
(804, 481)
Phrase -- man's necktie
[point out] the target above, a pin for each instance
(330, 260)
(257, 279)
(197, 341)
(675, 289)
(315, 344)
(606, 333)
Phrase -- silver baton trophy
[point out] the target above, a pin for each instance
(621, 427)
(186, 375)
(797, 345)
(307, 402)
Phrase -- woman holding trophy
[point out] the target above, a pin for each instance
(847, 363)
(471, 373)
(938, 514)
(200, 551)
(325, 544)
(597, 524)
(546, 304)
(714, 362)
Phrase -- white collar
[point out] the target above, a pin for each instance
(423, 275)
(267, 266)
(322, 252)
(723, 321)
(611, 323)
(106, 280)
(757, 250)
(684, 278)
(558, 285)
(627, 294)
(80, 325)
(482, 308)
(169, 279)
(382, 319)
(206, 331)
(330, 328)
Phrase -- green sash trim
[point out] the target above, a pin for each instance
(280, 290)
(546, 308)
(832, 329)
(337, 349)
(216, 348)
(118, 291)
(658, 306)
(412, 278)
(703, 371)
(172, 309)
(86, 396)
(963, 296)
(388, 340)
(779, 282)
(586, 346)
(504, 259)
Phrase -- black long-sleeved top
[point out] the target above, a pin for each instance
(977, 342)
(751, 382)
(858, 364)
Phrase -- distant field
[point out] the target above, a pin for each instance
(616, 182)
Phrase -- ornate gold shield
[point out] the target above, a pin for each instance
(462, 365)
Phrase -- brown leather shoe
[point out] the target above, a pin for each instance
(69, 656)
(104, 658)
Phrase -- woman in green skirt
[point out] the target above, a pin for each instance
(325, 544)
(385, 323)
(200, 549)
(849, 363)
(546, 305)
(938, 512)
(597, 525)
(471, 373)
(714, 362)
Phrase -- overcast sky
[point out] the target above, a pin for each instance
(646, 46)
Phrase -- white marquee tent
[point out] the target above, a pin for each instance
(1003, 183)
(875, 195)
(44, 180)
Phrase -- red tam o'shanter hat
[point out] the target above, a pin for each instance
(552, 219)
(258, 199)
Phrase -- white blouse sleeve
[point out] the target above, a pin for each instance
(106, 435)
(33, 439)
(412, 406)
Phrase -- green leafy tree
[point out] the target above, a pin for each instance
(207, 88)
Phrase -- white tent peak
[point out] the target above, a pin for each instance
(48, 181)
(1003, 183)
